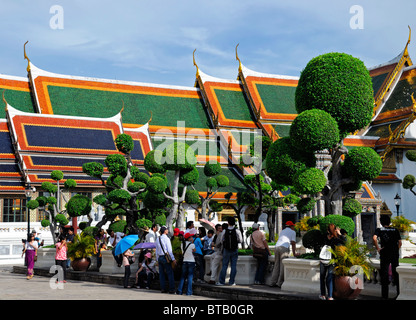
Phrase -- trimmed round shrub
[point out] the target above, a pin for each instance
(313, 239)
(283, 161)
(153, 162)
(52, 200)
(314, 130)
(154, 200)
(49, 187)
(93, 169)
(305, 205)
(32, 204)
(116, 164)
(70, 184)
(212, 168)
(309, 181)
(61, 219)
(115, 181)
(124, 143)
(192, 197)
(119, 196)
(57, 175)
(101, 199)
(179, 156)
(222, 181)
(143, 223)
(156, 184)
(82, 225)
(351, 207)
(189, 177)
(411, 155)
(409, 181)
(135, 186)
(42, 201)
(343, 222)
(138, 176)
(363, 163)
(339, 84)
(160, 219)
(78, 205)
(90, 231)
(118, 226)
(45, 223)
(211, 183)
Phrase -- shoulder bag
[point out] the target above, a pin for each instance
(325, 255)
(167, 255)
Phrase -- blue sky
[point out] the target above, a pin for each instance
(153, 41)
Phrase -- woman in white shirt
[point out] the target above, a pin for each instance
(188, 266)
(31, 251)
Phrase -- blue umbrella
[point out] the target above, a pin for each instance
(125, 243)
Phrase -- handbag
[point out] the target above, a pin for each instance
(167, 255)
(325, 255)
(131, 259)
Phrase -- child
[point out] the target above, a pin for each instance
(207, 243)
(188, 266)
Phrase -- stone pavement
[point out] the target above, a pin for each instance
(92, 285)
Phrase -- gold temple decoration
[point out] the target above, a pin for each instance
(197, 69)
(405, 58)
(151, 117)
(238, 59)
(26, 57)
(399, 132)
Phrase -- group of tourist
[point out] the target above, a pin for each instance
(182, 255)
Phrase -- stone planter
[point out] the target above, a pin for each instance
(301, 275)
(407, 280)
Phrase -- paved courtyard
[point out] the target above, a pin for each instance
(15, 286)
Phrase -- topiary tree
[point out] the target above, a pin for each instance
(51, 206)
(334, 97)
(124, 187)
(409, 181)
(179, 159)
(213, 184)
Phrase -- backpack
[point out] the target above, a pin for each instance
(230, 239)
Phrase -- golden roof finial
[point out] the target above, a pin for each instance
(237, 58)
(122, 108)
(151, 117)
(410, 34)
(197, 69)
(26, 57)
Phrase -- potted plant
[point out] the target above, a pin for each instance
(403, 225)
(349, 260)
(80, 251)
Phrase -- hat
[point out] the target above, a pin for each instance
(181, 233)
(175, 231)
(255, 226)
(290, 223)
(187, 235)
(148, 255)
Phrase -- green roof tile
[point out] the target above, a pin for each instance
(277, 99)
(233, 104)
(167, 110)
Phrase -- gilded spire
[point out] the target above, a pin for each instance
(26, 57)
(197, 69)
(237, 58)
(151, 117)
